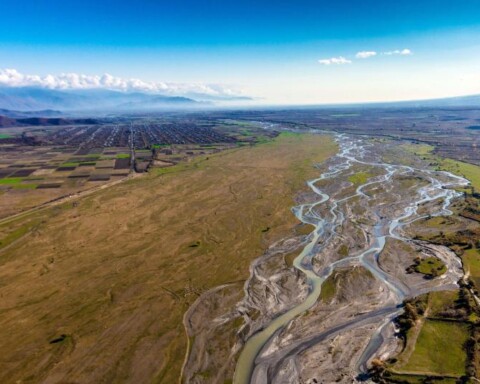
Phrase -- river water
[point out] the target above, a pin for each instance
(249, 368)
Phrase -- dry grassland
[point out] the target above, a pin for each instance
(95, 292)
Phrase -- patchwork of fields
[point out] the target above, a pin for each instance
(42, 164)
(32, 175)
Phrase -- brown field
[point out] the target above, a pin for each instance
(95, 291)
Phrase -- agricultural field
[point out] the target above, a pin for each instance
(144, 134)
(41, 164)
(443, 324)
(33, 175)
(434, 339)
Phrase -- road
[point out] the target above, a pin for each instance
(131, 144)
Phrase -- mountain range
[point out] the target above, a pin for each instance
(34, 99)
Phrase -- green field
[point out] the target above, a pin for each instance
(471, 262)
(17, 183)
(431, 266)
(437, 337)
(419, 149)
(24, 186)
(5, 136)
(420, 379)
(440, 301)
(328, 289)
(359, 178)
(469, 171)
(437, 222)
(11, 180)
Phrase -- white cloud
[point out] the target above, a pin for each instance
(365, 54)
(335, 60)
(66, 81)
(403, 52)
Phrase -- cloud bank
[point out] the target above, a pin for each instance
(365, 54)
(403, 52)
(70, 81)
(335, 60)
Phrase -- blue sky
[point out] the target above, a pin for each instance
(270, 50)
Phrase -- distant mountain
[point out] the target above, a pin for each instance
(447, 102)
(152, 102)
(34, 99)
(458, 101)
(7, 122)
(25, 114)
(219, 98)
(42, 121)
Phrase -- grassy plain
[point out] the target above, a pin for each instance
(431, 265)
(469, 171)
(328, 289)
(437, 337)
(471, 262)
(440, 301)
(359, 178)
(96, 291)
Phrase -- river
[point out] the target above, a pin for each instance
(352, 151)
